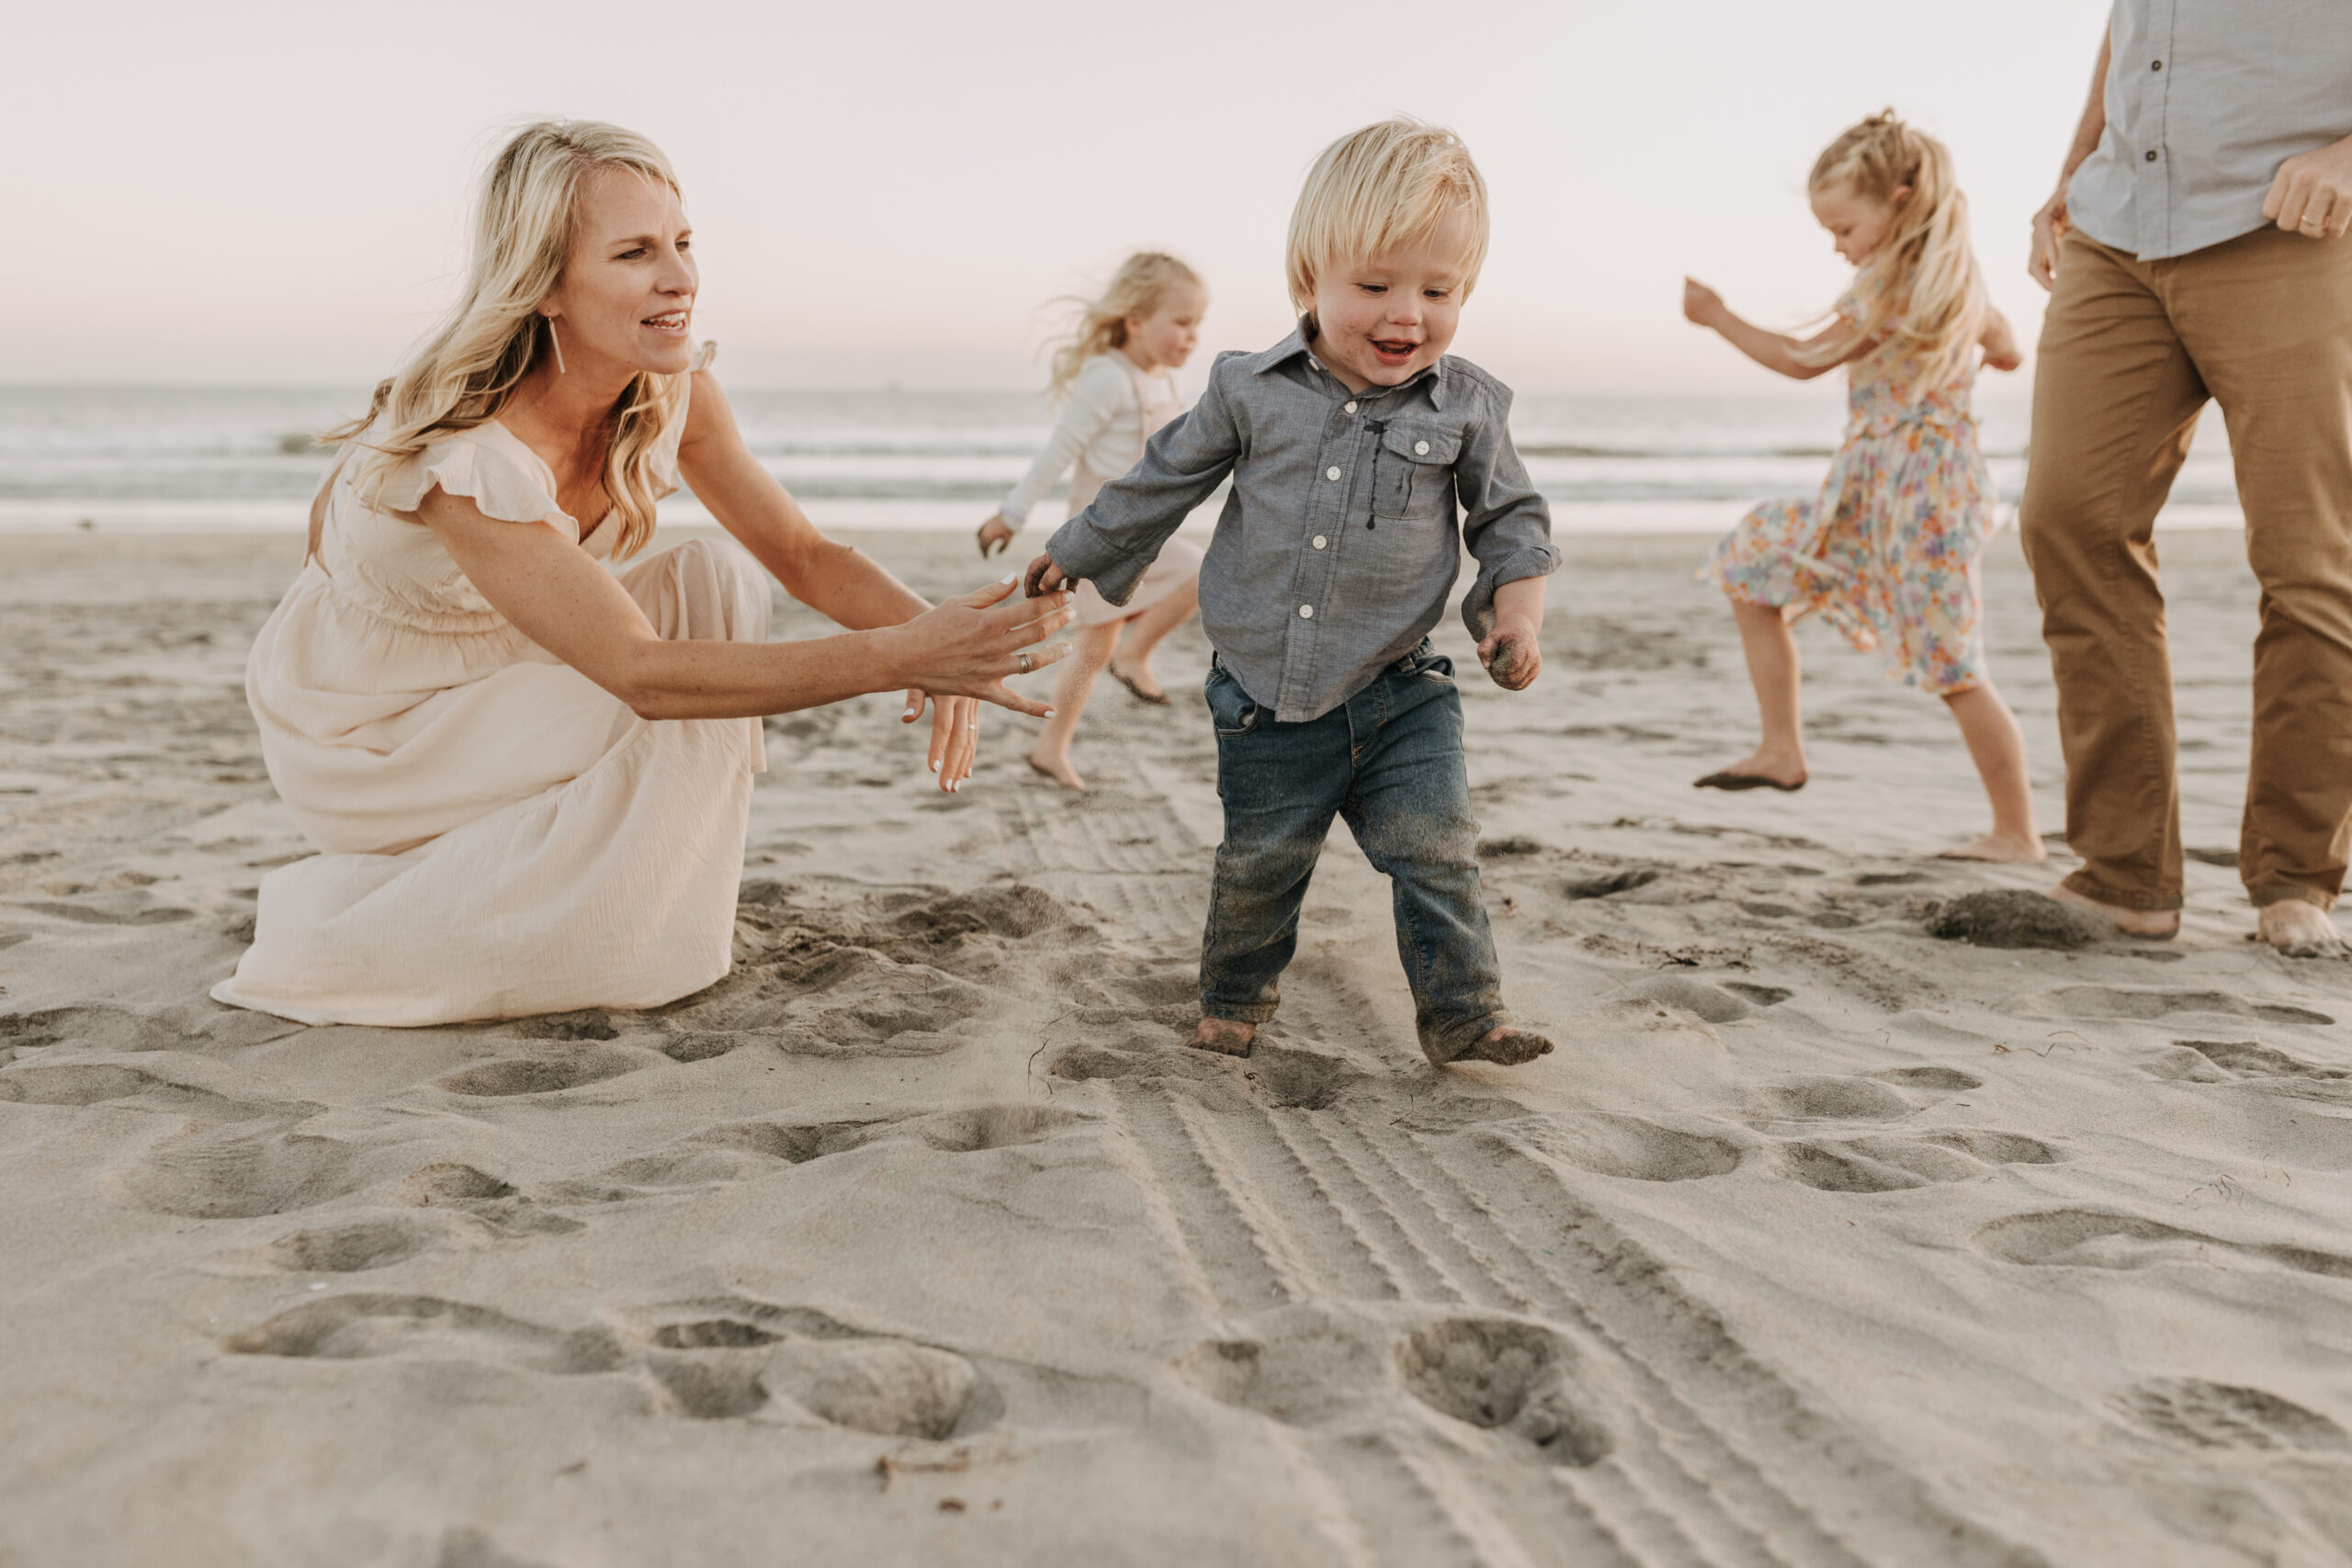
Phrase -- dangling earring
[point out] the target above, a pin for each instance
(555, 343)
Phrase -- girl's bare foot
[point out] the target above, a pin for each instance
(2161, 925)
(2298, 930)
(1225, 1036)
(1057, 768)
(1999, 847)
(1507, 1045)
(1779, 770)
(1142, 683)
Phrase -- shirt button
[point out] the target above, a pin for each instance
(2152, 154)
(1320, 541)
(1332, 472)
(1420, 448)
(1347, 408)
(2155, 65)
(1306, 612)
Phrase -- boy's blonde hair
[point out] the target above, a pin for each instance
(1143, 280)
(1922, 284)
(1378, 190)
(525, 217)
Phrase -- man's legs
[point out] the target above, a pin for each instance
(2269, 317)
(2115, 400)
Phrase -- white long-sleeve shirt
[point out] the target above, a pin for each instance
(1101, 427)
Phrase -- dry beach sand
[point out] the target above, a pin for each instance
(1819, 1241)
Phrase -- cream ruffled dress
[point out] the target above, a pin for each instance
(498, 835)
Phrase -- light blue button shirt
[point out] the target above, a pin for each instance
(2205, 99)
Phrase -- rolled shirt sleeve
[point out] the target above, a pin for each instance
(1113, 542)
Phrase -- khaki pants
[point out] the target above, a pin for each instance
(2130, 353)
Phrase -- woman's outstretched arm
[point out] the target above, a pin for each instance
(1800, 360)
(571, 606)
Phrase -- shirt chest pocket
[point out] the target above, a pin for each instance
(1412, 472)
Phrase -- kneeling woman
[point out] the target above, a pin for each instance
(528, 768)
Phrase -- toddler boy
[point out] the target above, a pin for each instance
(1350, 444)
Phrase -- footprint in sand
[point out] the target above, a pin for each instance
(487, 1198)
(2086, 1238)
(546, 1075)
(1629, 1147)
(2147, 1005)
(357, 1327)
(2227, 1415)
(107, 1083)
(241, 1172)
(351, 1247)
(1895, 1165)
(2250, 1062)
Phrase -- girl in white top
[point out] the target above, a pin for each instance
(526, 765)
(1116, 376)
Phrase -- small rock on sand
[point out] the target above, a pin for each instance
(2011, 916)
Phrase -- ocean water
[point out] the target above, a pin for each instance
(147, 457)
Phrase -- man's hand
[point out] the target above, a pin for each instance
(1044, 576)
(2050, 225)
(1509, 653)
(2313, 195)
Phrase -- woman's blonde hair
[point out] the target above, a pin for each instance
(1922, 284)
(1142, 282)
(1378, 190)
(526, 215)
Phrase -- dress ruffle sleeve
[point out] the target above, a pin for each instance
(497, 481)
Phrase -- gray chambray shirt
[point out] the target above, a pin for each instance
(1339, 544)
(2205, 99)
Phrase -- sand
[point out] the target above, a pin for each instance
(1818, 1241)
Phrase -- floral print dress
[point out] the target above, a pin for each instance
(1888, 552)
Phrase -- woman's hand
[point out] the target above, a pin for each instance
(995, 534)
(2050, 225)
(1044, 576)
(955, 735)
(967, 646)
(2313, 195)
(1701, 304)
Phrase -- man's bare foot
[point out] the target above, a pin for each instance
(1507, 1045)
(1058, 770)
(2298, 930)
(2159, 925)
(1999, 847)
(1225, 1036)
(1142, 683)
(1772, 768)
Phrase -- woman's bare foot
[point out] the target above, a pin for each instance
(2298, 930)
(1999, 847)
(1780, 770)
(1225, 1036)
(1057, 768)
(2160, 925)
(1509, 1045)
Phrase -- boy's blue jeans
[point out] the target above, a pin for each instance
(1389, 760)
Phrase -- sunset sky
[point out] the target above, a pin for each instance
(889, 193)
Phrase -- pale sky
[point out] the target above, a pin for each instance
(249, 192)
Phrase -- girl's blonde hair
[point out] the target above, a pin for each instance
(1922, 284)
(1142, 282)
(1378, 190)
(527, 215)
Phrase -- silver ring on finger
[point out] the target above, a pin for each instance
(1023, 657)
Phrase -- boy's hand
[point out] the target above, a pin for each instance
(1044, 576)
(1509, 653)
(1700, 303)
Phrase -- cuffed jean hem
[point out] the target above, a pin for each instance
(2265, 894)
(2090, 886)
(1240, 1012)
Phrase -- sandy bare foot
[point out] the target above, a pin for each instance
(1998, 848)
(1224, 1035)
(1507, 1045)
(1759, 770)
(2299, 931)
(1143, 683)
(1058, 770)
(2158, 925)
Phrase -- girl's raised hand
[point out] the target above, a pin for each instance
(995, 534)
(1701, 304)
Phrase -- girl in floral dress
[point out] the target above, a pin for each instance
(1888, 553)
